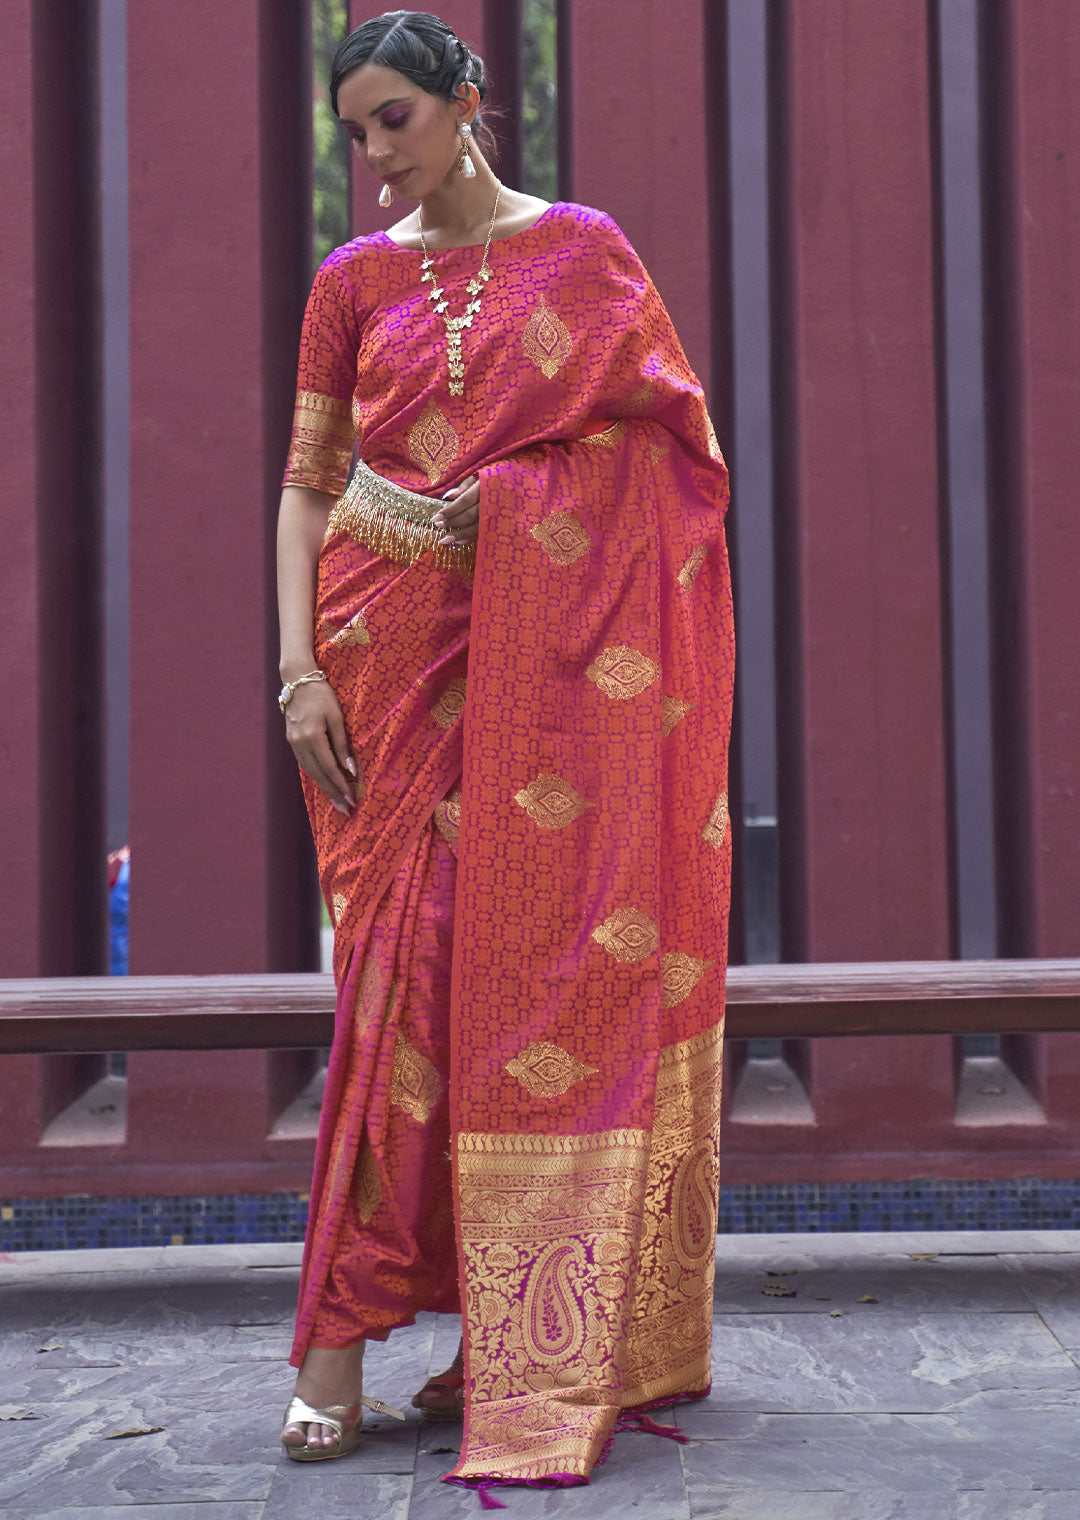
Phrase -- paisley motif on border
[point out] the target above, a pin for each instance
(553, 1323)
(693, 1207)
(671, 1328)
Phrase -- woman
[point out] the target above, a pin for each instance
(507, 649)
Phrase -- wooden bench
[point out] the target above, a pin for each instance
(68, 1014)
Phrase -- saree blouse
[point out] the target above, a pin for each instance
(559, 349)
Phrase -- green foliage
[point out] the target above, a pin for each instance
(539, 120)
(330, 190)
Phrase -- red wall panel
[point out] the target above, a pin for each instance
(864, 824)
(52, 881)
(220, 245)
(640, 120)
(862, 756)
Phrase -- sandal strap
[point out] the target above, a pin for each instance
(299, 1412)
(378, 1407)
(336, 1416)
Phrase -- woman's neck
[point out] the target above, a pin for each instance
(459, 210)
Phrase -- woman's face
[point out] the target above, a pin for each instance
(404, 135)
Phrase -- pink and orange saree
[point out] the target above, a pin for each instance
(530, 900)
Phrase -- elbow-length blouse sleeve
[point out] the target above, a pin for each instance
(321, 449)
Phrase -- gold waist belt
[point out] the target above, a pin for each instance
(394, 521)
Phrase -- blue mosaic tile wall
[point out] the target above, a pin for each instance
(1021, 1203)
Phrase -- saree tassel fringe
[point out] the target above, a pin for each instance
(390, 520)
(643, 1424)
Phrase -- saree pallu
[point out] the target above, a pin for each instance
(563, 720)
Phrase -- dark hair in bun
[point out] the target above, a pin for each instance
(422, 48)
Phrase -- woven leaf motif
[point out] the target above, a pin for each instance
(551, 802)
(546, 1070)
(680, 975)
(622, 672)
(450, 703)
(368, 1193)
(353, 632)
(546, 339)
(448, 818)
(433, 444)
(416, 1084)
(672, 711)
(689, 572)
(628, 935)
(608, 437)
(715, 831)
(562, 538)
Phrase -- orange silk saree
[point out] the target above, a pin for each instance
(530, 899)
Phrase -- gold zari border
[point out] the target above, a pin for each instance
(395, 522)
(549, 1225)
(670, 1332)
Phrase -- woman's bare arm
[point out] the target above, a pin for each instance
(314, 725)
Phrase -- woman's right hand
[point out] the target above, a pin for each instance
(315, 728)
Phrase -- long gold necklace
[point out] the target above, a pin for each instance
(475, 287)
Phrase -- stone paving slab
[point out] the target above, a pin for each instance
(915, 1453)
(821, 1283)
(222, 1511)
(976, 1504)
(954, 1396)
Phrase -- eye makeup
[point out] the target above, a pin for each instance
(392, 121)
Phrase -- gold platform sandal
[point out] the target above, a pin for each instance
(346, 1419)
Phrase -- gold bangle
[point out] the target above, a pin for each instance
(285, 695)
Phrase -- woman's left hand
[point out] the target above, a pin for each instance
(459, 516)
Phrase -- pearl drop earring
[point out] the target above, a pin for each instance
(465, 163)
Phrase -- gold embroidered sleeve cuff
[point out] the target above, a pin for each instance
(322, 443)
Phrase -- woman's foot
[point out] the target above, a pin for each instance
(443, 1397)
(327, 1377)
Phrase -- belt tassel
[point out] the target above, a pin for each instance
(395, 522)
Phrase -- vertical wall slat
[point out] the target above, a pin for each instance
(1031, 59)
(859, 620)
(214, 329)
(637, 156)
(219, 147)
(53, 885)
(1031, 135)
(53, 899)
(863, 823)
